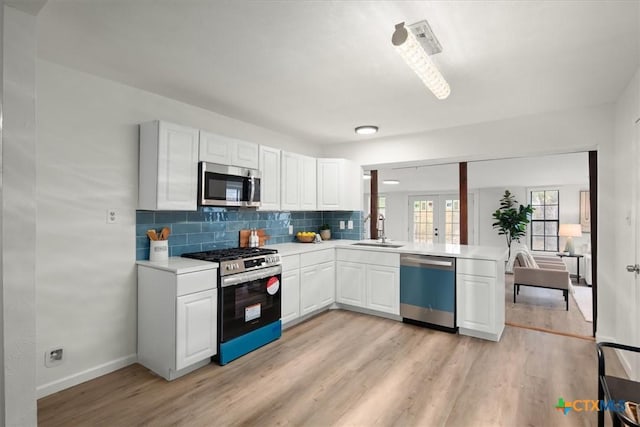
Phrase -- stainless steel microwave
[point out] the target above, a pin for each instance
(221, 185)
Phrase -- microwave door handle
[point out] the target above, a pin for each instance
(253, 189)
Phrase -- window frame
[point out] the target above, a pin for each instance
(544, 221)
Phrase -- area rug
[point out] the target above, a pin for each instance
(583, 298)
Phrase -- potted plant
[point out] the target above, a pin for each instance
(325, 232)
(511, 219)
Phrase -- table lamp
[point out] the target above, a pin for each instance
(569, 231)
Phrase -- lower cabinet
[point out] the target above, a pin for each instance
(317, 287)
(317, 280)
(480, 298)
(196, 327)
(177, 320)
(369, 280)
(290, 295)
(350, 283)
(383, 289)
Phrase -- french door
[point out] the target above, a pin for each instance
(434, 218)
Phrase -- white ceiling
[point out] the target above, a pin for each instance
(317, 69)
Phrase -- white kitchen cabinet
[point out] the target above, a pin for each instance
(290, 181)
(196, 327)
(177, 319)
(298, 182)
(480, 298)
(168, 167)
(339, 183)
(350, 283)
(317, 287)
(368, 279)
(326, 283)
(383, 288)
(270, 181)
(228, 151)
(317, 280)
(290, 288)
(308, 188)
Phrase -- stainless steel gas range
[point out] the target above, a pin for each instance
(249, 302)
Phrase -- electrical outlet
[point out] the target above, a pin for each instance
(341, 225)
(291, 229)
(350, 225)
(112, 216)
(53, 357)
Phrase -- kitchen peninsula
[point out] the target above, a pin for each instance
(364, 276)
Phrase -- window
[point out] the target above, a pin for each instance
(423, 230)
(381, 206)
(545, 220)
(452, 221)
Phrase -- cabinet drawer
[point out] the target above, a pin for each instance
(368, 257)
(290, 262)
(476, 267)
(317, 257)
(195, 282)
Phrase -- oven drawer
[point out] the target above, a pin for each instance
(195, 282)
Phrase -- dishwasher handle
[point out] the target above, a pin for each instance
(444, 263)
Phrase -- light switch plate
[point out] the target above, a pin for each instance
(291, 229)
(341, 225)
(350, 225)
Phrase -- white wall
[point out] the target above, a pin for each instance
(619, 290)
(87, 163)
(575, 130)
(488, 202)
(18, 217)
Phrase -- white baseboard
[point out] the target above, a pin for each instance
(80, 377)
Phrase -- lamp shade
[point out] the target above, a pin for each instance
(570, 230)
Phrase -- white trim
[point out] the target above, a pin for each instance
(624, 361)
(86, 375)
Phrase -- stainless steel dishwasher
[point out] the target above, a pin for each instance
(428, 291)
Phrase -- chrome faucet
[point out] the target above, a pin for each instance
(381, 236)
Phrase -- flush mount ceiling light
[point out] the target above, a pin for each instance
(391, 181)
(366, 130)
(415, 44)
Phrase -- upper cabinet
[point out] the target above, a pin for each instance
(339, 185)
(270, 181)
(228, 151)
(168, 172)
(298, 182)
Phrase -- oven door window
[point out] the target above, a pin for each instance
(249, 306)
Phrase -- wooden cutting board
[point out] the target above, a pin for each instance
(244, 237)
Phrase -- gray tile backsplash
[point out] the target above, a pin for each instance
(216, 228)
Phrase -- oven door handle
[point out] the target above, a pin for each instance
(250, 276)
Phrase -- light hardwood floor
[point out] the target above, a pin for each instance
(344, 368)
(544, 308)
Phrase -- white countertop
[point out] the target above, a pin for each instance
(294, 248)
(179, 265)
(491, 253)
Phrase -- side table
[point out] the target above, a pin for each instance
(577, 257)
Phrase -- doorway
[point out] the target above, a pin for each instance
(435, 218)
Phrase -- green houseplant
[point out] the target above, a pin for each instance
(511, 219)
(325, 232)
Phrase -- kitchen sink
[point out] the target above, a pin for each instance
(377, 245)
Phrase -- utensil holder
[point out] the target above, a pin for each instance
(159, 250)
